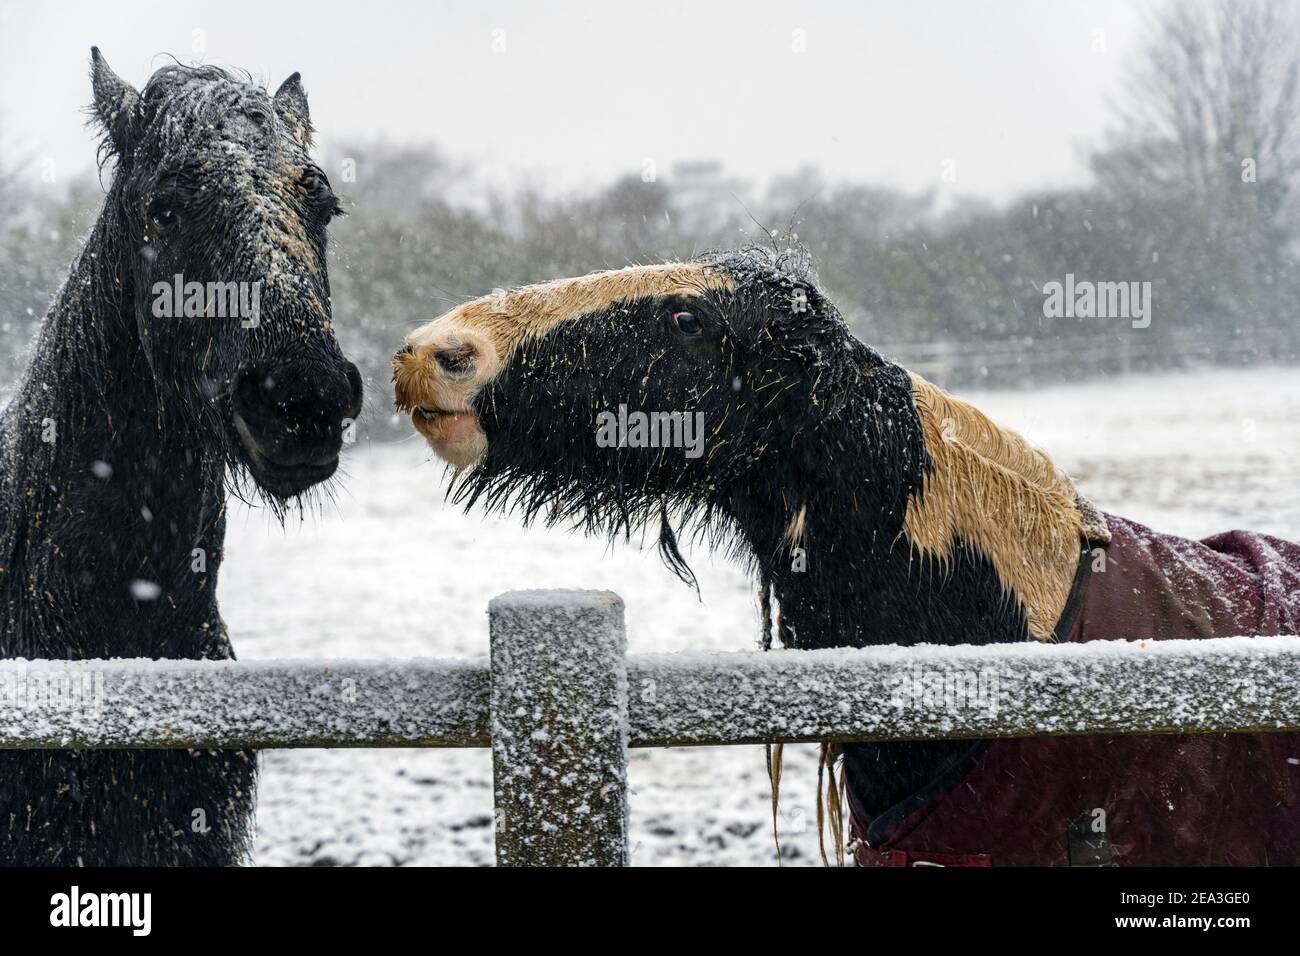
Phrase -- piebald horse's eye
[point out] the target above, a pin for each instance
(687, 323)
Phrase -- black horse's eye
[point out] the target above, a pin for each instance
(687, 323)
(317, 187)
(164, 218)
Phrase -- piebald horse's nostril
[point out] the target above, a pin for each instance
(456, 361)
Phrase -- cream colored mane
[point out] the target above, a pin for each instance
(1004, 497)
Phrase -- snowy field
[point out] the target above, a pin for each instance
(389, 570)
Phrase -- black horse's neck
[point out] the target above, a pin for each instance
(111, 532)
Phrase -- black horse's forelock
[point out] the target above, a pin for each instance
(177, 74)
(175, 86)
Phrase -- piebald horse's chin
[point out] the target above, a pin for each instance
(455, 437)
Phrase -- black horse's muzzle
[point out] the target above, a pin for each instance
(291, 420)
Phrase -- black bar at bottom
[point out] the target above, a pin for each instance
(923, 904)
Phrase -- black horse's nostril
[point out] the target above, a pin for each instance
(456, 361)
(358, 391)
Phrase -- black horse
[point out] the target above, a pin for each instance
(875, 509)
(190, 348)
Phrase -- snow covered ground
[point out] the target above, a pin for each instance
(389, 570)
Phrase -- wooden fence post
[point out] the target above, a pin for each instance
(559, 728)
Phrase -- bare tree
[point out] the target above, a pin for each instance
(1206, 157)
(1215, 98)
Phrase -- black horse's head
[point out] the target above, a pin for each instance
(604, 397)
(222, 215)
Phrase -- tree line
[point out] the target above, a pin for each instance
(1192, 191)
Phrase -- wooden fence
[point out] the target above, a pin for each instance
(560, 703)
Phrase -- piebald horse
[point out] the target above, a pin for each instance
(875, 509)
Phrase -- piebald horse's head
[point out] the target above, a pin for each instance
(731, 388)
(528, 372)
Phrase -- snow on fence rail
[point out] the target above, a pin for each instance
(560, 703)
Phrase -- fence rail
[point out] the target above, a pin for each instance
(560, 702)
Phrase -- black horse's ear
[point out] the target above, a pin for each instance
(291, 103)
(116, 103)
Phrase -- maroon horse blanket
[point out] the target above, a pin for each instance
(1221, 799)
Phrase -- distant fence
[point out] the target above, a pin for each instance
(1042, 360)
(560, 703)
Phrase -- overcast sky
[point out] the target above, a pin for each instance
(573, 93)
